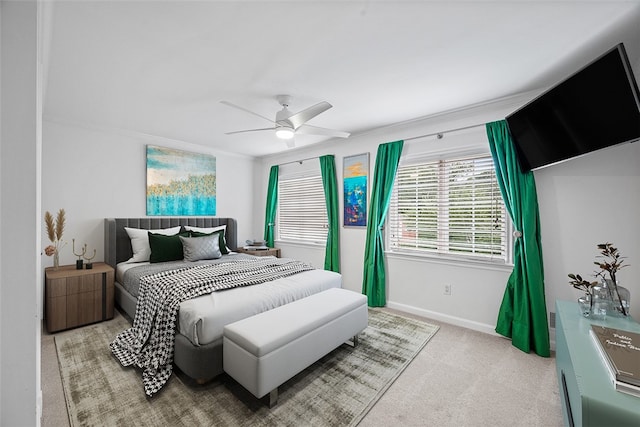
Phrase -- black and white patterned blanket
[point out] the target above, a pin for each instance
(150, 342)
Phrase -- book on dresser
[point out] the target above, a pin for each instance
(620, 353)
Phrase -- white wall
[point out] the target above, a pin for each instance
(582, 202)
(96, 173)
(20, 112)
(585, 201)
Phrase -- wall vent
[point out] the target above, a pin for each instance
(552, 319)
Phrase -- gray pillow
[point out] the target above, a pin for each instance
(197, 248)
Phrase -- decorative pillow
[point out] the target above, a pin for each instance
(166, 248)
(140, 241)
(197, 248)
(220, 232)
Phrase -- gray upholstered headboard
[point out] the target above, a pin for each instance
(117, 245)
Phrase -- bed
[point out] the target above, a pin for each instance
(198, 344)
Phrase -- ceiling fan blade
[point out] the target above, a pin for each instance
(315, 130)
(248, 130)
(246, 111)
(305, 115)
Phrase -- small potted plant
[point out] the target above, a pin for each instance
(611, 262)
(581, 284)
(55, 228)
(608, 293)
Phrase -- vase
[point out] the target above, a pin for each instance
(621, 298)
(600, 301)
(625, 295)
(612, 299)
(56, 260)
(584, 302)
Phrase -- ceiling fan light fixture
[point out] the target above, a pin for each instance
(284, 133)
(287, 124)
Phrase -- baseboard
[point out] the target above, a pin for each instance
(457, 321)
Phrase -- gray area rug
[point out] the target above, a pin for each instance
(338, 390)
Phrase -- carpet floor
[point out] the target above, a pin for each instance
(337, 390)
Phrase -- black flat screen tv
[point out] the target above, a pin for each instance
(597, 107)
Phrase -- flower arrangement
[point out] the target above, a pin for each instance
(613, 262)
(55, 228)
(610, 263)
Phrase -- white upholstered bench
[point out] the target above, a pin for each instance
(265, 350)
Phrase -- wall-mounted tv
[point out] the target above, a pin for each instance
(596, 107)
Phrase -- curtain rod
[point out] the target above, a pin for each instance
(441, 133)
(298, 161)
(437, 134)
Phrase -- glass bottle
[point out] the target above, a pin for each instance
(584, 302)
(622, 299)
(601, 301)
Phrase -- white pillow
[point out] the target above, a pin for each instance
(140, 241)
(208, 230)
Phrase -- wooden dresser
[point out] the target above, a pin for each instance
(78, 297)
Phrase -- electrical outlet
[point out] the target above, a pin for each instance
(447, 289)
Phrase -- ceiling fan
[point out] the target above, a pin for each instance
(287, 124)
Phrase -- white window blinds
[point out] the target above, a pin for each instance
(302, 212)
(451, 207)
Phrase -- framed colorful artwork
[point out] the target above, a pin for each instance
(355, 173)
(180, 183)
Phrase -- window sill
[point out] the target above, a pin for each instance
(450, 260)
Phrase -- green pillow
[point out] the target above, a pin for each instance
(166, 248)
(222, 243)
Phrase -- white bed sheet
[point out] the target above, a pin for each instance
(202, 319)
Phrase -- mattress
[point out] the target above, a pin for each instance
(202, 319)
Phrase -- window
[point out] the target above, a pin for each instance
(449, 207)
(302, 212)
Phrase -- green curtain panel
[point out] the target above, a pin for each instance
(374, 279)
(523, 313)
(330, 184)
(272, 203)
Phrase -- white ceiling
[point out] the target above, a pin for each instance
(162, 67)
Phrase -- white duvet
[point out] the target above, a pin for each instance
(202, 319)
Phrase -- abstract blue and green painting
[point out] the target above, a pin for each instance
(180, 183)
(355, 175)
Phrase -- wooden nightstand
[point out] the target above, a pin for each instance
(265, 252)
(78, 297)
